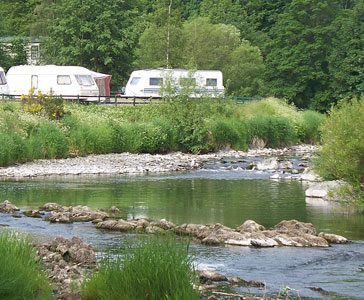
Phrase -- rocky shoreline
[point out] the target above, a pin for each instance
(129, 163)
(66, 261)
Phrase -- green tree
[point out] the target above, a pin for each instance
(245, 73)
(161, 43)
(43, 16)
(346, 63)
(209, 46)
(94, 34)
(16, 16)
(297, 62)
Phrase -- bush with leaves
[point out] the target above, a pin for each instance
(342, 154)
(52, 106)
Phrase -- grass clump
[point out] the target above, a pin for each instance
(274, 131)
(154, 269)
(342, 154)
(21, 275)
(311, 123)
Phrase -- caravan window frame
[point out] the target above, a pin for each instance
(155, 81)
(135, 80)
(209, 80)
(69, 82)
(84, 80)
(2, 78)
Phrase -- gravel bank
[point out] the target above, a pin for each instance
(128, 163)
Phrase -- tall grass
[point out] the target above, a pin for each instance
(21, 276)
(274, 131)
(178, 124)
(154, 269)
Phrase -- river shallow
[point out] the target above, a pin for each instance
(220, 192)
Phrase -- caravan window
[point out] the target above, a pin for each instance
(155, 81)
(2, 78)
(35, 81)
(85, 80)
(211, 82)
(135, 80)
(63, 79)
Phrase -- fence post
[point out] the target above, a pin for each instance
(134, 101)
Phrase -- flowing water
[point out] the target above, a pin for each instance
(221, 192)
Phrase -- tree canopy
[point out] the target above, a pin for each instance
(307, 51)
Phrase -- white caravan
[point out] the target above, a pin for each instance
(147, 83)
(66, 81)
(4, 88)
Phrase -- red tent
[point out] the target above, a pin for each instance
(103, 83)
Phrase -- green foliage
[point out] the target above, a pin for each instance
(154, 268)
(12, 149)
(312, 121)
(244, 76)
(54, 143)
(195, 125)
(21, 275)
(52, 106)
(189, 123)
(229, 133)
(97, 35)
(274, 131)
(85, 139)
(297, 63)
(342, 154)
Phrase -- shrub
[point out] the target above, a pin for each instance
(154, 268)
(187, 117)
(274, 131)
(229, 133)
(311, 123)
(21, 276)
(342, 154)
(52, 105)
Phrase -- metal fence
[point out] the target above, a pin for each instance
(117, 99)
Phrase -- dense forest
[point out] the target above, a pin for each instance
(309, 52)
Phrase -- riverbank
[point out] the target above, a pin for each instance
(129, 163)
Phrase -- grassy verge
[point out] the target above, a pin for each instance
(183, 124)
(151, 269)
(21, 276)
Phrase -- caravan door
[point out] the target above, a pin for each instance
(4, 88)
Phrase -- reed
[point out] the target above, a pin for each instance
(21, 275)
(154, 268)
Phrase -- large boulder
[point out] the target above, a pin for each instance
(333, 238)
(117, 225)
(53, 207)
(250, 226)
(209, 275)
(8, 207)
(59, 217)
(294, 227)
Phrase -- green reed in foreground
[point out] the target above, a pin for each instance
(21, 276)
(154, 268)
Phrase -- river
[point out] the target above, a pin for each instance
(221, 192)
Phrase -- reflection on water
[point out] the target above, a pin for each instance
(210, 196)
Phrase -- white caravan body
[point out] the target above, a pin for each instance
(147, 83)
(4, 88)
(65, 81)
